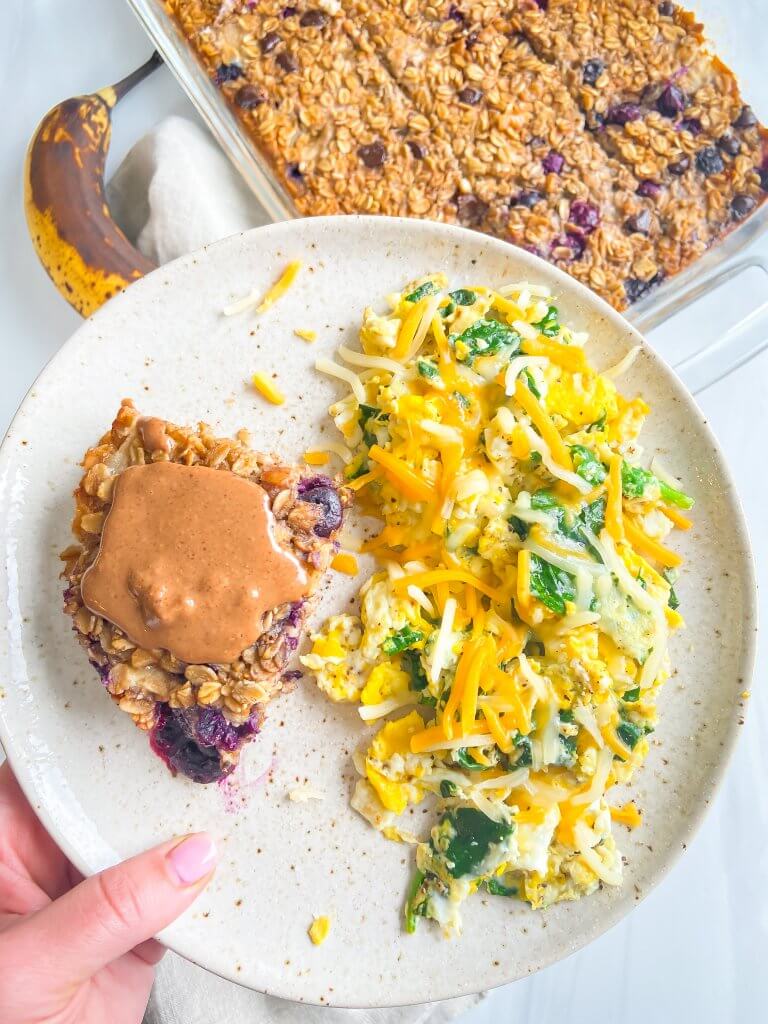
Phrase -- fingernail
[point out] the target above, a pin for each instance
(193, 858)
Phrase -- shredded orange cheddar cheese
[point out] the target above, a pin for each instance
(627, 815)
(280, 287)
(614, 516)
(545, 426)
(345, 562)
(264, 386)
(411, 483)
(316, 458)
(650, 547)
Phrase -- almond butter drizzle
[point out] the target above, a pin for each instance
(152, 434)
(189, 563)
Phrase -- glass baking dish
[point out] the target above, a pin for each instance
(729, 259)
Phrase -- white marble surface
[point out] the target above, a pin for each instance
(696, 949)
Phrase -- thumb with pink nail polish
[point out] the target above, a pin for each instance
(85, 955)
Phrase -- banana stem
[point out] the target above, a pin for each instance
(126, 84)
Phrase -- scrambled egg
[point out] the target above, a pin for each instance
(336, 660)
(510, 651)
(582, 398)
(390, 767)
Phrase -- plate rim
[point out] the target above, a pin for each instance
(594, 306)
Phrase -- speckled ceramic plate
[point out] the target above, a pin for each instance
(90, 774)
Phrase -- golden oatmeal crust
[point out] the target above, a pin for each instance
(137, 679)
(499, 116)
(661, 103)
(341, 135)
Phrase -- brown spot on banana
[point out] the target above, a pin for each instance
(85, 253)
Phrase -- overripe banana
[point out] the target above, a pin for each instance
(83, 250)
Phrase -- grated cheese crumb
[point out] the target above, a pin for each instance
(318, 930)
(316, 458)
(627, 815)
(305, 334)
(264, 386)
(278, 289)
(344, 562)
(301, 794)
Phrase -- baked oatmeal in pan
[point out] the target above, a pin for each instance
(336, 127)
(182, 538)
(656, 98)
(601, 134)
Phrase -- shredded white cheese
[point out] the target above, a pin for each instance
(440, 649)
(304, 792)
(342, 373)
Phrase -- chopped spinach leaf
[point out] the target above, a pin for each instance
(368, 414)
(630, 734)
(549, 325)
(464, 758)
(497, 888)
(462, 400)
(464, 297)
(592, 516)
(552, 586)
(448, 789)
(544, 500)
(445, 311)
(428, 288)
(534, 458)
(671, 577)
(635, 479)
(371, 412)
(529, 380)
(566, 716)
(567, 751)
(427, 369)
(411, 663)
(486, 337)
(520, 528)
(587, 465)
(470, 835)
(360, 470)
(674, 497)
(411, 909)
(598, 425)
(631, 696)
(401, 640)
(525, 753)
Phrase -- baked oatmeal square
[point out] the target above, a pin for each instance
(198, 713)
(341, 135)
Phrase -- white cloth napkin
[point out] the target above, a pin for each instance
(176, 192)
(173, 193)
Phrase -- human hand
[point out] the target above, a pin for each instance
(82, 952)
